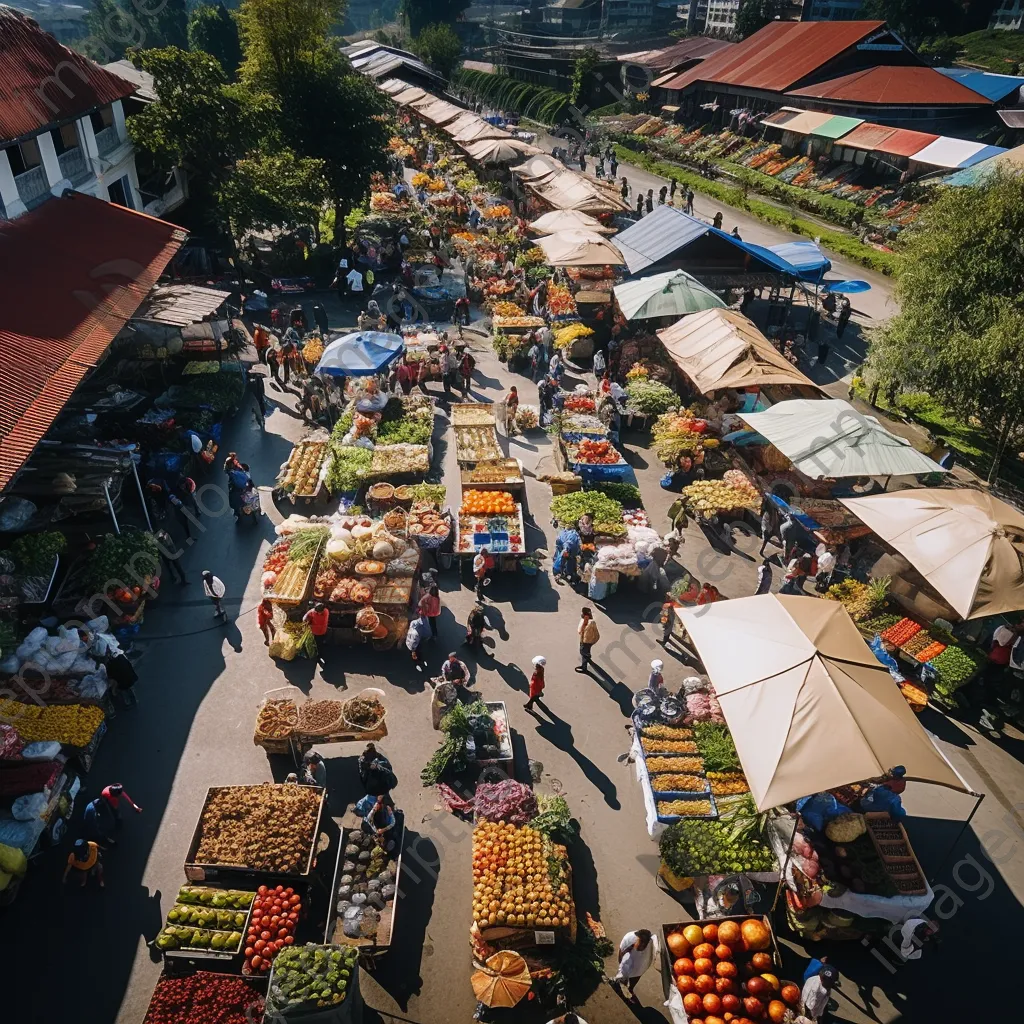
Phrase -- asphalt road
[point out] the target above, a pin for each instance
(82, 953)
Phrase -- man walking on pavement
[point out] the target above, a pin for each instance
(113, 795)
(169, 556)
(589, 635)
(689, 200)
(844, 317)
(213, 588)
(537, 684)
(259, 397)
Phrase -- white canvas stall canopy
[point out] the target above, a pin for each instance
(498, 151)
(410, 95)
(720, 348)
(537, 167)
(568, 190)
(967, 544)
(392, 86)
(436, 111)
(829, 438)
(809, 706)
(579, 249)
(554, 221)
(473, 131)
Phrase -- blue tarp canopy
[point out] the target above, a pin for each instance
(361, 354)
(808, 259)
(666, 231)
(987, 83)
(847, 287)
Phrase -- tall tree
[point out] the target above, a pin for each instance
(960, 331)
(440, 47)
(117, 25)
(212, 28)
(916, 20)
(753, 15)
(420, 13)
(328, 112)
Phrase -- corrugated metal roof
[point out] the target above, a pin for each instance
(879, 138)
(955, 153)
(1012, 118)
(1011, 161)
(42, 82)
(691, 48)
(836, 127)
(75, 270)
(806, 121)
(992, 86)
(780, 55)
(142, 80)
(180, 304)
(894, 86)
(806, 257)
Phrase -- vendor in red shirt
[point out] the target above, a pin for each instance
(113, 795)
(265, 619)
(316, 618)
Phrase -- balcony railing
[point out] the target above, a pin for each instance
(107, 140)
(73, 165)
(33, 187)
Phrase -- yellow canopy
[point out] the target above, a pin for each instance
(967, 544)
(720, 348)
(809, 706)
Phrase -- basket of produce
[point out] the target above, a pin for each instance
(196, 997)
(301, 475)
(367, 620)
(366, 710)
(487, 503)
(320, 718)
(396, 459)
(382, 491)
(351, 591)
(288, 567)
(395, 520)
(404, 495)
(716, 496)
(305, 981)
(214, 923)
(268, 827)
(472, 414)
(676, 806)
(276, 720)
(277, 908)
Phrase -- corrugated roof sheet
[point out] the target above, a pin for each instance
(780, 55)
(691, 48)
(142, 80)
(812, 263)
(180, 304)
(1012, 118)
(894, 86)
(1011, 161)
(992, 86)
(836, 127)
(879, 138)
(42, 82)
(75, 270)
(955, 153)
(806, 121)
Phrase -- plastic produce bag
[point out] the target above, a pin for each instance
(41, 750)
(31, 643)
(101, 624)
(68, 640)
(819, 809)
(29, 808)
(13, 860)
(83, 665)
(92, 686)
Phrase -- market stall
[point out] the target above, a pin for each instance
(284, 726)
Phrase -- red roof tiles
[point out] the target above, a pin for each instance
(780, 55)
(42, 82)
(881, 139)
(895, 86)
(75, 270)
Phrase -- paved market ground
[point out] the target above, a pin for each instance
(83, 954)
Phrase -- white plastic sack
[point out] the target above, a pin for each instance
(29, 807)
(101, 624)
(68, 640)
(694, 684)
(31, 643)
(83, 665)
(92, 687)
(41, 751)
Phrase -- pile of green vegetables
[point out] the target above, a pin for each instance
(216, 391)
(122, 557)
(343, 426)
(435, 493)
(651, 397)
(567, 508)
(555, 820)
(628, 495)
(305, 543)
(310, 976)
(348, 468)
(880, 623)
(35, 552)
(955, 666)
(414, 429)
(455, 726)
(715, 746)
(692, 847)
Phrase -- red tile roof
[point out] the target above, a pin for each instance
(881, 139)
(780, 55)
(895, 86)
(42, 82)
(75, 270)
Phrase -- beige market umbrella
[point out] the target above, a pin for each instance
(503, 982)
(437, 111)
(967, 544)
(808, 705)
(579, 249)
(555, 221)
(477, 129)
(499, 151)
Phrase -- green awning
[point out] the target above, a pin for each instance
(838, 126)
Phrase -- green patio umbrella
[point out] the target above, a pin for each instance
(674, 293)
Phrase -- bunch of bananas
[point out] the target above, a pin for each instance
(71, 724)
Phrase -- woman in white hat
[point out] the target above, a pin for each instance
(656, 680)
(537, 683)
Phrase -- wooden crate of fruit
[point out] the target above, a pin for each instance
(253, 857)
(726, 965)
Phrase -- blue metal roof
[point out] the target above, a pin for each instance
(666, 230)
(808, 259)
(992, 86)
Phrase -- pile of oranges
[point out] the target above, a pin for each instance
(488, 503)
(512, 885)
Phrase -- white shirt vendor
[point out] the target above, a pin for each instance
(635, 961)
(355, 280)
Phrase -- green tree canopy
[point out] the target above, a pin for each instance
(279, 34)
(959, 334)
(273, 190)
(753, 15)
(440, 47)
(421, 13)
(916, 20)
(212, 28)
(117, 25)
